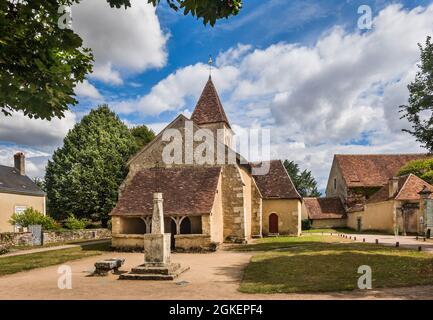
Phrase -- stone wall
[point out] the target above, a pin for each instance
(75, 235)
(10, 239)
(194, 242)
(256, 214)
(233, 205)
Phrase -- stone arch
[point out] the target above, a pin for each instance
(185, 226)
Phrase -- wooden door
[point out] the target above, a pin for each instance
(273, 223)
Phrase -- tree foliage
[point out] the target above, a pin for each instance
(41, 63)
(303, 180)
(421, 168)
(84, 175)
(143, 135)
(419, 110)
(208, 10)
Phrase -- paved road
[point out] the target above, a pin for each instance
(53, 248)
(409, 242)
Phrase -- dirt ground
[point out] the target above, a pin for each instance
(212, 276)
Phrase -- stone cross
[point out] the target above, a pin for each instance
(158, 214)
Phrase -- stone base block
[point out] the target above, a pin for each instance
(153, 271)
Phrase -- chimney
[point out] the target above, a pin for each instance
(393, 186)
(20, 163)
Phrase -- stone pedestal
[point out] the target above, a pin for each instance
(157, 248)
(157, 265)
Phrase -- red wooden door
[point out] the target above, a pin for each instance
(273, 223)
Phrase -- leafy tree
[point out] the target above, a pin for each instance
(41, 63)
(208, 10)
(84, 175)
(419, 111)
(143, 135)
(303, 181)
(421, 168)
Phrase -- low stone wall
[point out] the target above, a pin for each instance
(194, 242)
(10, 239)
(75, 235)
(128, 242)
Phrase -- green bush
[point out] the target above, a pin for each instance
(33, 217)
(306, 224)
(73, 223)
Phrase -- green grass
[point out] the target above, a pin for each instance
(9, 265)
(327, 264)
(343, 230)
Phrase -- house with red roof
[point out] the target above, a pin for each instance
(207, 200)
(364, 192)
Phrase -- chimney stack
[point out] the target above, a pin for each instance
(393, 186)
(20, 163)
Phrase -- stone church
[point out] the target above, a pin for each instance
(207, 202)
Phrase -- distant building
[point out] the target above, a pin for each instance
(363, 193)
(17, 193)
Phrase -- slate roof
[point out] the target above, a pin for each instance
(324, 208)
(277, 183)
(13, 182)
(186, 191)
(209, 108)
(372, 170)
(409, 187)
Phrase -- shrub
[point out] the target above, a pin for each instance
(33, 217)
(306, 224)
(73, 223)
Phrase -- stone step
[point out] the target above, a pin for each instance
(156, 270)
(139, 276)
(153, 276)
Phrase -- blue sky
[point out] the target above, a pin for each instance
(302, 69)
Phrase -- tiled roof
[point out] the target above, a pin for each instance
(408, 188)
(209, 108)
(11, 181)
(372, 170)
(277, 183)
(186, 191)
(324, 208)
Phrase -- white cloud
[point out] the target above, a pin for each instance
(86, 90)
(330, 97)
(171, 93)
(42, 134)
(35, 160)
(122, 41)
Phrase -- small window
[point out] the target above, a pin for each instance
(335, 183)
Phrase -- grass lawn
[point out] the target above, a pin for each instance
(324, 264)
(9, 265)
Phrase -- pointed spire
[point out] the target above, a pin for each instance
(209, 108)
(210, 62)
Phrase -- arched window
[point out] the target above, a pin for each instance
(185, 226)
(273, 223)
